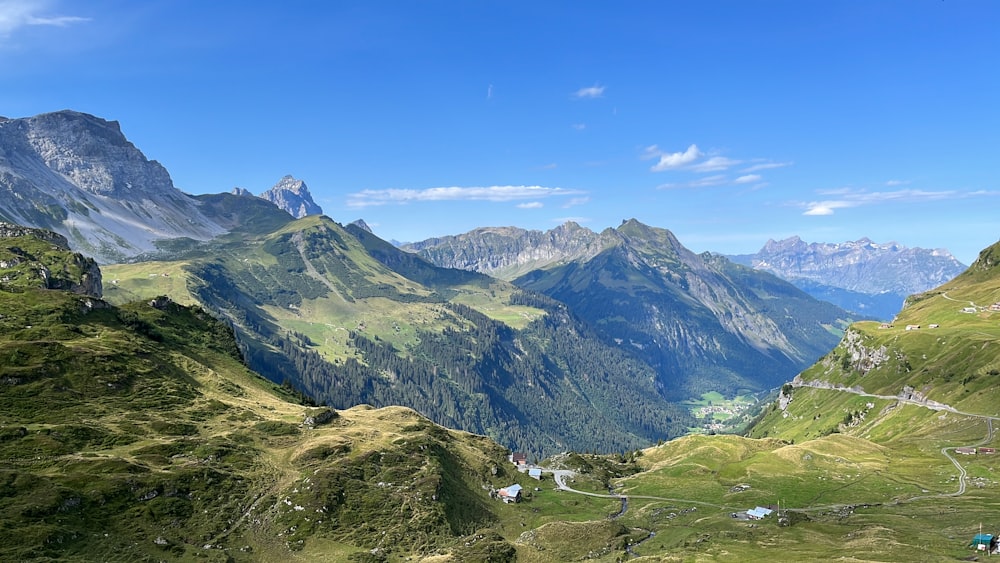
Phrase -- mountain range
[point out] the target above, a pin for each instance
(337, 313)
(862, 276)
(205, 399)
(137, 432)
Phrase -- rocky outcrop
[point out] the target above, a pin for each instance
(293, 196)
(10, 230)
(863, 358)
(42, 259)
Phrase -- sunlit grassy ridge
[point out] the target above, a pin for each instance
(137, 432)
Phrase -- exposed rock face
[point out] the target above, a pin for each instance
(863, 358)
(507, 252)
(360, 223)
(78, 175)
(293, 196)
(42, 259)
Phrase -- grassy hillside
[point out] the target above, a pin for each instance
(349, 319)
(137, 433)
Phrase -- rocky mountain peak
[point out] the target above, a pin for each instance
(77, 175)
(360, 223)
(293, 196)
(92, 153)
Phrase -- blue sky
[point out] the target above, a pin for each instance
(727, 122)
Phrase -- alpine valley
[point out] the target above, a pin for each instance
(238, 378)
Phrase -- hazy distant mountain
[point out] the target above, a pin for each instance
(79, 176)
(701, 321)
(293, 196)
(862, 276)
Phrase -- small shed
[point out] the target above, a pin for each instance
(987, 450)
(965, 451)
(535, 472)
(518, 458)
(510, 494)
(759, 513)
(983, 542)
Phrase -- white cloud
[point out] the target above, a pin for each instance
(368, 198)
(671, 161)
(576, 201)
(15, 14)
(594, 91)
(893, 183)
(531, 205)
(705, 182)
(714, 164)
(825, 207)
(579, 126)
(848, 198)
(765, 166)
(747, 179)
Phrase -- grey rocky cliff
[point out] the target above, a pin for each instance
(293, 196)
(78, 175)
(507, 252)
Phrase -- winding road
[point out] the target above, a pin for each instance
(561, 475)
(933, 405)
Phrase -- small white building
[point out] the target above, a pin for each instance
(759, 513)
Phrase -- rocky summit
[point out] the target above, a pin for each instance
(293, 196)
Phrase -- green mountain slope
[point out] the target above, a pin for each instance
(941, 350)
(702, 322)
(137, 433)
(881, 451)
(348, 319)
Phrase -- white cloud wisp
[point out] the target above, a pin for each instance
(369, 198)
(854, 198)
(594, 91)
(16, 14)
